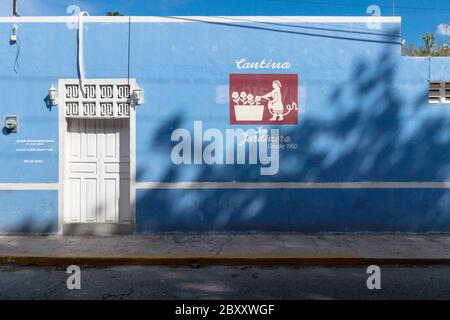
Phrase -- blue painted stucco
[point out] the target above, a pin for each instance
(364, 116)
(376, 210)
(29, 211)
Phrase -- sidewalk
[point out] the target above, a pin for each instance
(226, 249)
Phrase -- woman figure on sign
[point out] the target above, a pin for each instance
(275, 102)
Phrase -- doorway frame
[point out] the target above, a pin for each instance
(62, 130)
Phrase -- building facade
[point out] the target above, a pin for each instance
(151, 124)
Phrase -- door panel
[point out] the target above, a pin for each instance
(97, 187)
(74, 203)
(91, 199)
(124, 200)
(110, 200)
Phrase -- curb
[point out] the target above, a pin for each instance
(211, 259)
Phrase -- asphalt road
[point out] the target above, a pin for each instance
(135, 282)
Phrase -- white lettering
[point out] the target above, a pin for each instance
(237, 147)
(374, 280)
(263, 64)
(74, 280)
(187, 310)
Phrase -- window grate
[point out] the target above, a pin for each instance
(439, 92)
(100, 98)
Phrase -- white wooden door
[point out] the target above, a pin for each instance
(97, 171)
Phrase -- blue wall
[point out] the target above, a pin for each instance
(364, 116)
(29, 211)
(402, 210)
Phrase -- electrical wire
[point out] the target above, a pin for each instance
(261, 28)
(360, 5)
(15, 40)
(332, 28)
(16, 65)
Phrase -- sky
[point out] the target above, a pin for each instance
(418, 16)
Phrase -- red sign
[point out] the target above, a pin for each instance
(264, 99)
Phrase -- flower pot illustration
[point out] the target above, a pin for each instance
(263, 99)
(249, 112)
(247, 107)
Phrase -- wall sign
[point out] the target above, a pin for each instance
(264, 99)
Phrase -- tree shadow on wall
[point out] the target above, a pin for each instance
(374, 134)
(31, 226)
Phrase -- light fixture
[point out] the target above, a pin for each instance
(52, 95)
(13, 36)
(137, 95)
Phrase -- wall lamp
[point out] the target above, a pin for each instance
(137, 95)
(52, 96)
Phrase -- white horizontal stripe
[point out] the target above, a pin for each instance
(293, 185)
(251, 185)
(222, 19)
(29, 186)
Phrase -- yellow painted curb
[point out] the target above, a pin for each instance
(179, 259)
(269, 259)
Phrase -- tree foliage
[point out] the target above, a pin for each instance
(114, 13)
(430, 47)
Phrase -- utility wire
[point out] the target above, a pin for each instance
(340, 4)
(16, 65)
(332, 28)
(243, 26)
(15, 8)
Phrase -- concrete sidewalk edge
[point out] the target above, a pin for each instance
(215, 259)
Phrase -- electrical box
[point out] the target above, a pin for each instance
(11, 124)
